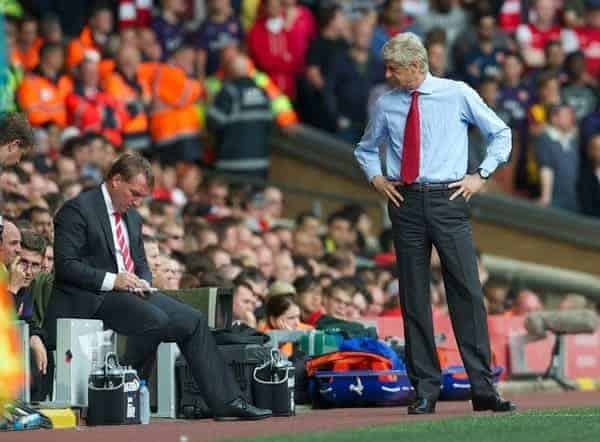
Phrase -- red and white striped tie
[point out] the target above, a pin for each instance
(123, 247)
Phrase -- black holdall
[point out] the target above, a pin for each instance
(273, 385)
(243, 348)
(113, 394)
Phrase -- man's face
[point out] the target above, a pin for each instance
(402, 77)
(48, 260)
(103, 21)
(265, 261)
(311, 300)
(42, 224)
(284, 268)
(152, 256)
(337, 303)
(207, 238)
(244, 302)
(303, 244)
(437, 57)
(221, 258)
(172, 272)
(340, 231)
(174, 234)
(217, 195)
(311, 225)
(55, 59)
(230, 239)
(30, 263)
(11, 242)
(376, 307)
(513, 68)
(10, 153)
(126, 194)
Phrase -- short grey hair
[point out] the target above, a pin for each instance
(404, 49)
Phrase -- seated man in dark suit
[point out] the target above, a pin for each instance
(101, 272)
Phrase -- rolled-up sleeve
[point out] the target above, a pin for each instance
(494, 130)
(367, 150)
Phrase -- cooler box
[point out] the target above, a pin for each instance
(316, 343)
(361, 388)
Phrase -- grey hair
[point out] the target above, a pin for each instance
(404, 49)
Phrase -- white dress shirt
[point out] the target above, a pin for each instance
(108, 283)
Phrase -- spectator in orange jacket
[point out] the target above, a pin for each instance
(29, 43)
(126, 84)
(43, 92)
(174, 121)
(93, 110)
(94, 37)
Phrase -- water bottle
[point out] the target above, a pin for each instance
(144, 403)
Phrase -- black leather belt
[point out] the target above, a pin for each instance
(425, 187)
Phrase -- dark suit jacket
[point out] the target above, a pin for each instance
(84, 251)
(589, 192)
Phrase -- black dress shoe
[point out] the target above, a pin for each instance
(492, 403)
(422, 406)
(240, 410)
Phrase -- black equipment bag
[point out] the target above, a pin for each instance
(241, 357)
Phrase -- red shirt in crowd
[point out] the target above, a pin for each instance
(94, 110)
(589, 43)
(533, 37)
(280, 52)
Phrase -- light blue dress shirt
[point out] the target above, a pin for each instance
(446, 108)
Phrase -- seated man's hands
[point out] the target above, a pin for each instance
(17, 276)
(39, 353)
(131, 283)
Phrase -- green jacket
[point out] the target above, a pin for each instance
(41, 287)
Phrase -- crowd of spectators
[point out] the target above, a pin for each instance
(151, 76)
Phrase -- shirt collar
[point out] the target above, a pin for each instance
(107, 200)
(428, 84)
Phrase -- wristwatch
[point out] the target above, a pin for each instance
(483, 174)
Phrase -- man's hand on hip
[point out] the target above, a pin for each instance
(468, 186)
(387, 189)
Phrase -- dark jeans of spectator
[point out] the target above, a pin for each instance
(41, 385)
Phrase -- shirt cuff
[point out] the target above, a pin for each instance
(488, 166)
(108, 284)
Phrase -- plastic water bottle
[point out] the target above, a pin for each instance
(144, 403)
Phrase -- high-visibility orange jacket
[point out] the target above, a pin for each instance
(43, 99)
(30, 57)
(135, 94)
(173, 114)
(97, 112)
(85, 42)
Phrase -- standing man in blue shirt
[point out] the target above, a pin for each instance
(424, 121)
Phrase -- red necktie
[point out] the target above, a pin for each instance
(411, 148)
(123, 247)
